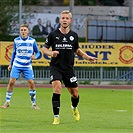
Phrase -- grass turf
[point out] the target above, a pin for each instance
(101, 110)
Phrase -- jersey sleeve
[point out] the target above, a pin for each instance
(36, 50)
(76, 42)
(48, 41)
(13, 54)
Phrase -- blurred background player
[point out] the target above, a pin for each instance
(64, 43)
(21, 62)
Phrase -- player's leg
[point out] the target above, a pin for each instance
(9, 92)
(29, 76)
(75, 101)
(70, 82)
(57, 88)
(13, 76)
(32, 93)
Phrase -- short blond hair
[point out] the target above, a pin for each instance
(66, 12)
(24, 25)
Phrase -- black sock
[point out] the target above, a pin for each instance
(56, 103)
(75, 101)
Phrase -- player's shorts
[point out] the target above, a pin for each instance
(26, 71)
(69, 79)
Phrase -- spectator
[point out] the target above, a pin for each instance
(48, 29)
(57, 24)
(38, 30)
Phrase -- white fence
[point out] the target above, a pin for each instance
(83, 75)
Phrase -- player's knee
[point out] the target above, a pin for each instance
(12, 82)
(31, 82)
(75, 94)
(57, 89)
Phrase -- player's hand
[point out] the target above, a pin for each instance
(54, 54)
(33, 57)
(93, 59)
(9, 68)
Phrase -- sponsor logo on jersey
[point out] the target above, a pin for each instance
(64, 40)
(63, 46)
(73, 79)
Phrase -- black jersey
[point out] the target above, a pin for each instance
(66, 44)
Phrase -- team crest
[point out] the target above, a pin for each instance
(71, 38)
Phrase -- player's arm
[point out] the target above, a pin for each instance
(36, 50)
(47, 45)
(82, 54)
(49, 52)
(12, 58)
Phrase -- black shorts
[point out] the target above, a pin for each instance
(69, 79)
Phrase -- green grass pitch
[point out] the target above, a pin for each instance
(101, 110)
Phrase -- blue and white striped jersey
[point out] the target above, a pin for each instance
(23, 50)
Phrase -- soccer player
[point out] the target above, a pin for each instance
(64, 43)
(23, 53)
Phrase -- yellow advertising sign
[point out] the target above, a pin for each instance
(6, 49)
(108, 54)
